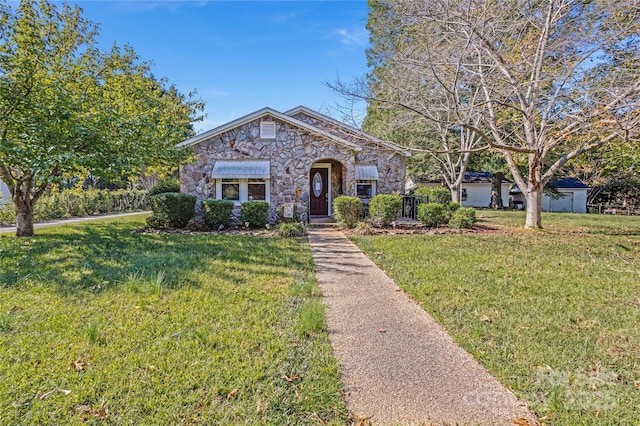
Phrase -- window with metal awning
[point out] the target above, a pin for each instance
(366, 179)
(242, 180)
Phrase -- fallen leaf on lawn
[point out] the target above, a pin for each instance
(485, 318)
(522, 422)
(291, 378)
(83, 409)
(233, 393)
(259, 407)
(102, 413)
(638, 384)
(46, 395)
(78, 364)
(16, 309)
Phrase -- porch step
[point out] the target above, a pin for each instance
(322, 222)
(323, 225)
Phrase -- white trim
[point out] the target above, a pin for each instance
(329, 193)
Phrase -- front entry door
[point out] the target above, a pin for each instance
(319, 192)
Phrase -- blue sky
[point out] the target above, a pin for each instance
(242, 55)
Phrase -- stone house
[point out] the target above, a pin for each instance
(297, 158)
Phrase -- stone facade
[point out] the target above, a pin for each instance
(291, 154)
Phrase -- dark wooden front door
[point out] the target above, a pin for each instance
(318, 192)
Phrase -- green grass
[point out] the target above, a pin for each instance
(149, 329)
(554, 314)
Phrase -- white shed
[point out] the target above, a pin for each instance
(476, 190)
(573, 196)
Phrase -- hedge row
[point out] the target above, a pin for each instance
(76, 202)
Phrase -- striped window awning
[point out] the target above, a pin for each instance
(367, 172)
(241, 169)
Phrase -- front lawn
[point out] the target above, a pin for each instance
(554, 314)
(103, 325)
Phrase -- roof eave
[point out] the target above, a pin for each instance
(257, 114)
(359, 132)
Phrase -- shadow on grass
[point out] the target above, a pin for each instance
(567, 223)
(104, 256)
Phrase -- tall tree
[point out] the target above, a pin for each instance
(541, 81)
(397, 90)
(67, 108)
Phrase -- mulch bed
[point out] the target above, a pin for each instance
(424, 230)
(400, 229)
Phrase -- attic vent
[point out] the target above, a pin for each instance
(267, 130)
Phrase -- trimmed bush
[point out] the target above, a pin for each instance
(254, 213)
(464, 217)
(217, 213)
(170, 185)
(435, 194)
(386, 207)
(453, 206)
(290, 230)
(346, 210)
(171, 210)
(433, 214)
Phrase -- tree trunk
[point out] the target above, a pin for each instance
(496, 191)
(24, 222)
(534, 209)
(24, 211)
(455, 194)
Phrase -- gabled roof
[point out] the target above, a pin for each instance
(260, 114)
(563, 183)
(569, 183)
(481, 177)
(476, 177)
(347, 128)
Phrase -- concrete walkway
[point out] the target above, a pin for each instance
(72, 220)
(398, 365)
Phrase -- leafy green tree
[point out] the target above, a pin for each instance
(68, 108)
